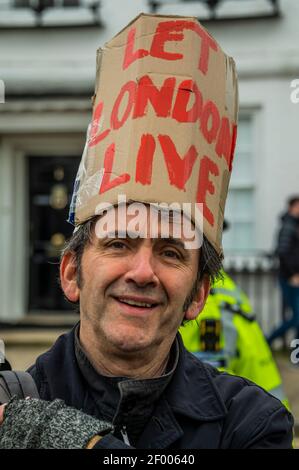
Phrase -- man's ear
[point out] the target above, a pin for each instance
(200, 299)
(68, 277)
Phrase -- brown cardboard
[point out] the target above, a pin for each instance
(177, 147)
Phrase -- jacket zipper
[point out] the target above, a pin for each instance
(124, 434)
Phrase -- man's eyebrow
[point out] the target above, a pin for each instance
(123, 234)
(118, 234)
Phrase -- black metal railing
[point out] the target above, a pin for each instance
(39, 8)
(257, 276)
(215, 11)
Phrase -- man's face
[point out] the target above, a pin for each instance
(133, 290)
(294, 210)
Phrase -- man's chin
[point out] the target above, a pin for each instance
(129, 344)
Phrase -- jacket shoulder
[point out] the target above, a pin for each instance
(255, 418)
(51, 368)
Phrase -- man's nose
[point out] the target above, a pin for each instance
(142, 268)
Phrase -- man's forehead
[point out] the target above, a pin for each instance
(137, 220)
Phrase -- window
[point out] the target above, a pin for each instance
(49, 13)
(240, 206)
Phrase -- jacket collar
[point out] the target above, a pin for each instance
(192, 392)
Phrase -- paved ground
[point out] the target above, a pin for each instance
(22, 348)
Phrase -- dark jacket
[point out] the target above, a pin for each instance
(201, 408)
(288, 246)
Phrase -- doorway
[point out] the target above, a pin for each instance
(50, 189)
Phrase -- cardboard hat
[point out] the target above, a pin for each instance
(164, 122)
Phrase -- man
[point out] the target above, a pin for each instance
(288, 253)
(139, 269)
(125, 365)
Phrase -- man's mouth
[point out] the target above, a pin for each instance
(137, 303)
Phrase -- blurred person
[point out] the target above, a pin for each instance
(288, 254)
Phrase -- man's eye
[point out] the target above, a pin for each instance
(171, 254)
(116, 244)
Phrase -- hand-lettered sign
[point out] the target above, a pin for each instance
(164, 121)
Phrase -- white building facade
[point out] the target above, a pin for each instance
(48, 75)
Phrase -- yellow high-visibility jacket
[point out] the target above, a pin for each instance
(226, 335)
